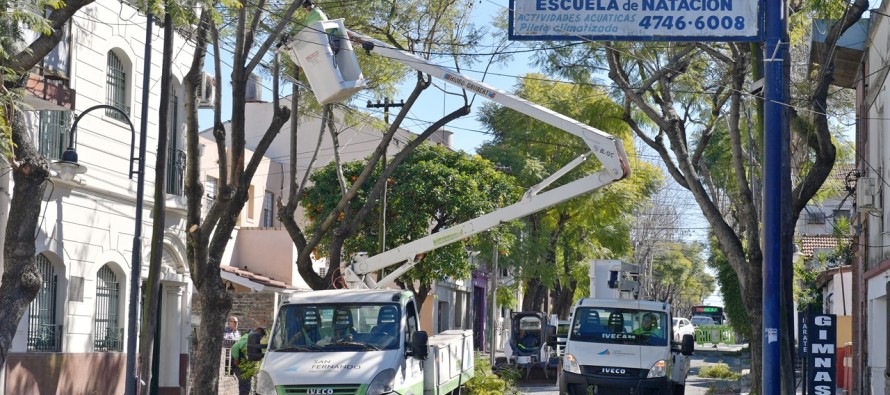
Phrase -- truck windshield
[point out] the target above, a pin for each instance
(336, 327)
(619, 326)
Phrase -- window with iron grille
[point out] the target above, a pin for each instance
(109, 334)
(268, 209)
(175, 156)
(54, 133)
(210, 191)
(43, 332)
(116, 87)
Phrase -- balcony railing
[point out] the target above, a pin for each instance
(111, 340)
(116, 115)
(45, 337)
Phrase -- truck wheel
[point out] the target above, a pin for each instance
(679, 389)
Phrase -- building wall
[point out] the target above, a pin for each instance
(874, 153)
(89, 223)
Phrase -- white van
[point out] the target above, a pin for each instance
(621, 346)
(362, 342)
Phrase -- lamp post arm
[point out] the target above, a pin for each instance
(72, 137)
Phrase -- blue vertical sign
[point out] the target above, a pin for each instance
(822, 356)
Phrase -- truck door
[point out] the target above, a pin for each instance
(412, 370)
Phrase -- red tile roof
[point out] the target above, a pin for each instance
(257, 278)
(811, 243)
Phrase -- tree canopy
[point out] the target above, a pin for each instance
(558, 241)
(433, 189)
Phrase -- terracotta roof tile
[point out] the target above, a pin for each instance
(812, 243)
(257, 278)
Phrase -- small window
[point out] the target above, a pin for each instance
(44, 334)
(116, 87)
(322, 271)
(816, 217)
(54, 127)
(211, 187)
(175, 156)
(838, 214)
(268, 209)
(109, 334)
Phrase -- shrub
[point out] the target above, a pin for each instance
(487, 382)
(718, 371)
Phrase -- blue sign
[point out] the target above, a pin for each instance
(822, 355)
(635, 20)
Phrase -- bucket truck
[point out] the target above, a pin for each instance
(367, 339)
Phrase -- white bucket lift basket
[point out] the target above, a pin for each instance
(332, 79)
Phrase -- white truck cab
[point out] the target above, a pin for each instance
(368, 342)
(623, 346)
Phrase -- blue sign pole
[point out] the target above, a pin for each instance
(776, 171)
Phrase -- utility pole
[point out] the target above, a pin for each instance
(494, 303)
(385, 105)
(776, 195)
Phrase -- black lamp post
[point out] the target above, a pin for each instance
(67, 169)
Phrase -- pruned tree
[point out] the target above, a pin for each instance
(257, 28)
(421, 27)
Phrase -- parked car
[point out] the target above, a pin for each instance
(682, 326)
(698, 321)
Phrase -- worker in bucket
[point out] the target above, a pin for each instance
(315, 14)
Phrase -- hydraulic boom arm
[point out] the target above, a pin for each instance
(607, 149)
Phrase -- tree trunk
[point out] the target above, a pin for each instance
(21, 280)
(159, 211)
(215, 305)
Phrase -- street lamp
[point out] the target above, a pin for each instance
(68, 168)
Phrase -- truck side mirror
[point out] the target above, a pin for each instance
(419, 346)
(688, 345)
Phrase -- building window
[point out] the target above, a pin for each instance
(250, 205)
(210, 191)
(322, 271)
(43, 332)
(816, 218)
(838, 214)
(268, 209)
(175, 156)
(109, 333)
(116, 87)
(54, 127)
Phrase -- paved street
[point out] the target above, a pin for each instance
(694, 385)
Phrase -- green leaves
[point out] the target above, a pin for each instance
(433, 189)
(557, 242)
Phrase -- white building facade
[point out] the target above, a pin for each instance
(73, 338)
(871, 268)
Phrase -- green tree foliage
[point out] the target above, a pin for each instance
(734, 306)
(556, 241)
(15, 17)
(679, 276)
(433, 189)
